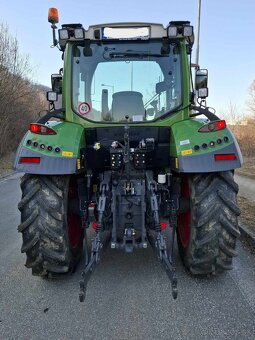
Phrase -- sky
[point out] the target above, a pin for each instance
(227, 47)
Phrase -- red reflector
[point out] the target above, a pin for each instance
(41, 129)
(221, 124)
(163, 225)
(94, 225)
(29, 160)
(225, 157)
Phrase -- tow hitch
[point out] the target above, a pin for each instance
(131, 202)
(155, 237)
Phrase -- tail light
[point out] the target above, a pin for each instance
(94, 225)
(29, 160)
(225, 157)
(41, 129)
(213, 126)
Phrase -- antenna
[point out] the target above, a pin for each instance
(198, 31)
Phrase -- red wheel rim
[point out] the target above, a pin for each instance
(74, 230)
(73, 220)
(184, 219)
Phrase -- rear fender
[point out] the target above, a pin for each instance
(187, 157)
(59, 153)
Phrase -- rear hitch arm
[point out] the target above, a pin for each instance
(159, 243)
(97, 244)
(167, 262)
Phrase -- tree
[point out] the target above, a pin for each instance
(232, 115)
(251, 100)
(20, 99)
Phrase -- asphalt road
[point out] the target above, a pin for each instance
(128, 296)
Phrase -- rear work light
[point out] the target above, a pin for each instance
(172, 31)
(29, 160)
(225, 157)
(182, 28)
(79, 33)
(188, 31)
(63, 34)
(213, 126)
(41, 129)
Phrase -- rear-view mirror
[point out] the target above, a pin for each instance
(201, 79)
(56, 83)
(201, 82)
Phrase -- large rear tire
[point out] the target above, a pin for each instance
(208, 228)
(50, 224)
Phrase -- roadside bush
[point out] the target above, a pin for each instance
(245, 135)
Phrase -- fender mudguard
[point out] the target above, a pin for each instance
(192, 151)
(56, 154)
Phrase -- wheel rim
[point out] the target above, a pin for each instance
(73, 219)
(184, 219)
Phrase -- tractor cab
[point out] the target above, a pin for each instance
(135, 69)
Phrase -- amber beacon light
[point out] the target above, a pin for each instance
(53, 19)
(53, 15)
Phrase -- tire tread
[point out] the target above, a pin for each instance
(214, 223)
(43, 224)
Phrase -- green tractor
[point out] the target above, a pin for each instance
(127, 156)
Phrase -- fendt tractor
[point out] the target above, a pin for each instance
(133, 154)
